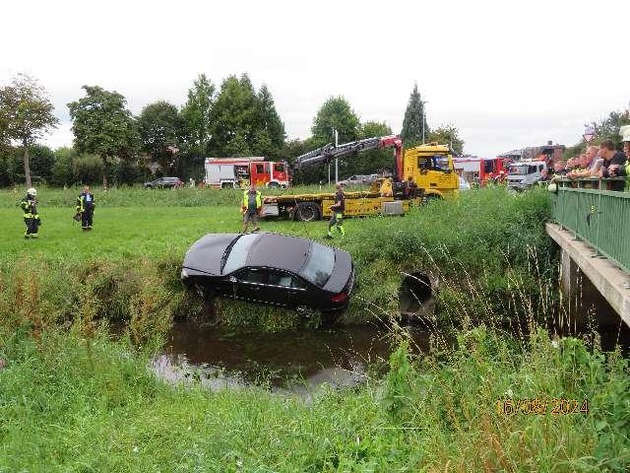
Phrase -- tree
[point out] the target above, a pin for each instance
(448, 135)
(269, 132)
(197, 115)
(26, 113)
(159, 125)
(415, 122)
(234, 118)
(103, 126)
(335, 114)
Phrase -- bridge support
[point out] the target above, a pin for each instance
(579, 258)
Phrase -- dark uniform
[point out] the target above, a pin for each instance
(85, 207)
(338, 208)
(32, 221)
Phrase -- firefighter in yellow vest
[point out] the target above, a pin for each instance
(251, 207)
(28, 204)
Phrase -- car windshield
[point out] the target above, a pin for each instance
(237, 253)
(319, 265)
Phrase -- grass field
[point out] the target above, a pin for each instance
(73, 399)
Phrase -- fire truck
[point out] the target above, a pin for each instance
(482, 170)
(430, 166)
(240, 172)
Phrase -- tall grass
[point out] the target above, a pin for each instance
(72, 399)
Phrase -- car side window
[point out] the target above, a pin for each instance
(251, 276)
(278, 278)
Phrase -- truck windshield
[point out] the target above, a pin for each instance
(519, 170)
(319, 264)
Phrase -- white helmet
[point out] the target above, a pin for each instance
(32, 191)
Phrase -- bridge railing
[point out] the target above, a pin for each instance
(596, 215)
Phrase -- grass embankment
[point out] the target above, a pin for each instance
(72, 400)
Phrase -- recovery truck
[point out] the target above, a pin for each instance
(430, 166)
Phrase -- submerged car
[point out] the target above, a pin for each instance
(270, 268)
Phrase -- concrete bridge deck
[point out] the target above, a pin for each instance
(609, 279)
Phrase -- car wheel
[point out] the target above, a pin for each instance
(307, 212)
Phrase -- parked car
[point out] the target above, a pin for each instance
(359, 180)
(163, 182)
(270, 268)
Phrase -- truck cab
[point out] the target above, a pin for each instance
(432, 169)
(524, 175)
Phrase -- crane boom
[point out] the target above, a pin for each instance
(327, 153)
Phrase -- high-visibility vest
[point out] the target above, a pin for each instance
(246, 199)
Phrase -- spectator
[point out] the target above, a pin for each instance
(624, 131)
(613, 165)
(559, 170)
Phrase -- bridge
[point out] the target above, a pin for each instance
(592, 227)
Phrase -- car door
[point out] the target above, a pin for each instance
(285, 289)
(249, 284)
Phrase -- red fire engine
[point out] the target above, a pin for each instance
(482, 170)
(240, 172)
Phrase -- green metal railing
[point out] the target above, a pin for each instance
(599, 217)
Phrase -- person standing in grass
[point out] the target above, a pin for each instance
(28, 204)
(85, 207)
(251, 207)
(338, 208)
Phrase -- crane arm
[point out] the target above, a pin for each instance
(329, 152)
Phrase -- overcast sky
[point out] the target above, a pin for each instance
(505, 74)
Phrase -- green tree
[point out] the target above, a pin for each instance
(608, 128)
(103, 126)
(337, 114)
(448, 135)
(415, 122)
(26, 113)
(62, 174)
(42, 162)
(196, 116)
(234, 118)
(159, 125)
(269, 134)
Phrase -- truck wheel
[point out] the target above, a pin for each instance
(273, 185)
(307, 212)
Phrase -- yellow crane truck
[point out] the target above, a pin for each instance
(430, 166)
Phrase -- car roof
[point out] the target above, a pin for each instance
(278, 251)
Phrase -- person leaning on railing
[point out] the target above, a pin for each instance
(624, 131)
(614, 164)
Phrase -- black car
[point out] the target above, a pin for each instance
(272, 269)
(163, 182)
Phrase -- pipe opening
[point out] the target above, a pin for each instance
(415, 295)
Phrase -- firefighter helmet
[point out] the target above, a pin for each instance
(32, 191)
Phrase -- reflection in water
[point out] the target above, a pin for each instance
(219, 358)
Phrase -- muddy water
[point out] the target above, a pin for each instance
(295, 361)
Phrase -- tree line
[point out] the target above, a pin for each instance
(114, 146)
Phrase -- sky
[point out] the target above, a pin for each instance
(506, 74)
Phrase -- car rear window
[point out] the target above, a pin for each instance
(237, 253)
(319, 264)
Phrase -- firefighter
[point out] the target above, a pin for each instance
(85, 207)
(31, 216)
(338, 208)
(251, 207)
